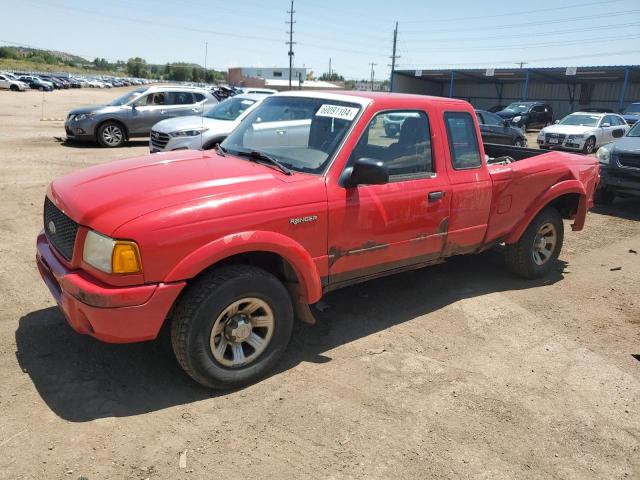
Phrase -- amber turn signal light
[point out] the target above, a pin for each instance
(125, 258)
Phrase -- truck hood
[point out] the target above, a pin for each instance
(107, 196)
(629, 145)
(194, 121)
(568, 129)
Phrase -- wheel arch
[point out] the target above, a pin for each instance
(568, 197)
(274, 252)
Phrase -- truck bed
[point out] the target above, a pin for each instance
(495, 150)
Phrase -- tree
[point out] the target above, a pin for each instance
(137, 67)
(334, 77)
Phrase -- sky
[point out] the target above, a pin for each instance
(352, 33)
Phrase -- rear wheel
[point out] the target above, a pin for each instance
(518, 142)
(589, 145)
(539, 247)
(231, 326)
(111, 134)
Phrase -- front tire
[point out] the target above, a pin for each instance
(14, 88)
(518, 142)
(536, 252)
(111, 135)
(589, 145)
(231, 326)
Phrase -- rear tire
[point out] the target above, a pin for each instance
(536, 252)
(216, 310)
(518, 142)
(111, 135)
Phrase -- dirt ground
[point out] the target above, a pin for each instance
(455, 371)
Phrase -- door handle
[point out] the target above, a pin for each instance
(433, 196)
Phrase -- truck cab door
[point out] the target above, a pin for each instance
(380, 228)
(471, 186)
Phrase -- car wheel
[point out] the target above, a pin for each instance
(524, 127)
(603, 196)
(231, 326)
(518, 142)
(537, 250)
(111, 135)
(14, 88)
(589, 145)
(41, 89)
(389, 132)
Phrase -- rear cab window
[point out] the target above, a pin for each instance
(463, 141)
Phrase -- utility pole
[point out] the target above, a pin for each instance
(290, 42)
(522, 64)
(372, 73)
(329, 68)
(393, 56)
(206, 48)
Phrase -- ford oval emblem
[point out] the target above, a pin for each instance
(52, 227)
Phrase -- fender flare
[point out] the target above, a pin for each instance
(557, 190)
(253, 241)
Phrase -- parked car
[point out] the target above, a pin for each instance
(393, 121)
(227, 246)
(495, 129)
(134, 113)
(9, 83)
(36, 83)
(583, 131)
(202, 131)
(528, 114)
(620, 167)
(57, 84)
(631, 114)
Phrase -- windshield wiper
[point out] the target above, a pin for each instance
(220, 150)
(255, 156)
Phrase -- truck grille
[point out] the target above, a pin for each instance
(159, 140)
(60, 229)
(629, 161)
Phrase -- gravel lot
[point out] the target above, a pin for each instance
(456, 371)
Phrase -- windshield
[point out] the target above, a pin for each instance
(518, 107)
(633, 108)
(126, 98)
(229, 109)
(301, 133)
(635, 131)
(583, 120)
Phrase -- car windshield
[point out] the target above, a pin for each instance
(634, 108)
(518, 107)
(635, 131)
(229, 109)
(126, 98)
(583, 120)
(301, 133)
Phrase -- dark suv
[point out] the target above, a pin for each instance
(528, 114)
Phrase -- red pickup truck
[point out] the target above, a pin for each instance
(225, 247)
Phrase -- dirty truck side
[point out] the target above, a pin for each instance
(309, 194)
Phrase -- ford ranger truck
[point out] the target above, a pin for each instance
(308, 194)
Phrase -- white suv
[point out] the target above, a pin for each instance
(11, 83)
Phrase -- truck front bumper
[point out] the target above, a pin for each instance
(609, 180)
(108, 313)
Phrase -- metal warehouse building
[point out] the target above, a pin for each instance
(565, 89)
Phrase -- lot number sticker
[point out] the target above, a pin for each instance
(337, 111)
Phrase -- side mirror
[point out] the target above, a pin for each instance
(605, 125)
(557, 121)
(365, 171)
(618, 132)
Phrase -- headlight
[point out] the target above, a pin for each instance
(604, 154)
(189, 133)
(82, 116)
(110, 255)
(575, 137)
(516, 119)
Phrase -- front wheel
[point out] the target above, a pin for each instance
(111, 135)
(539, 247)
(518, 142)
(14, 88)
(231, 326)
(589, 145)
